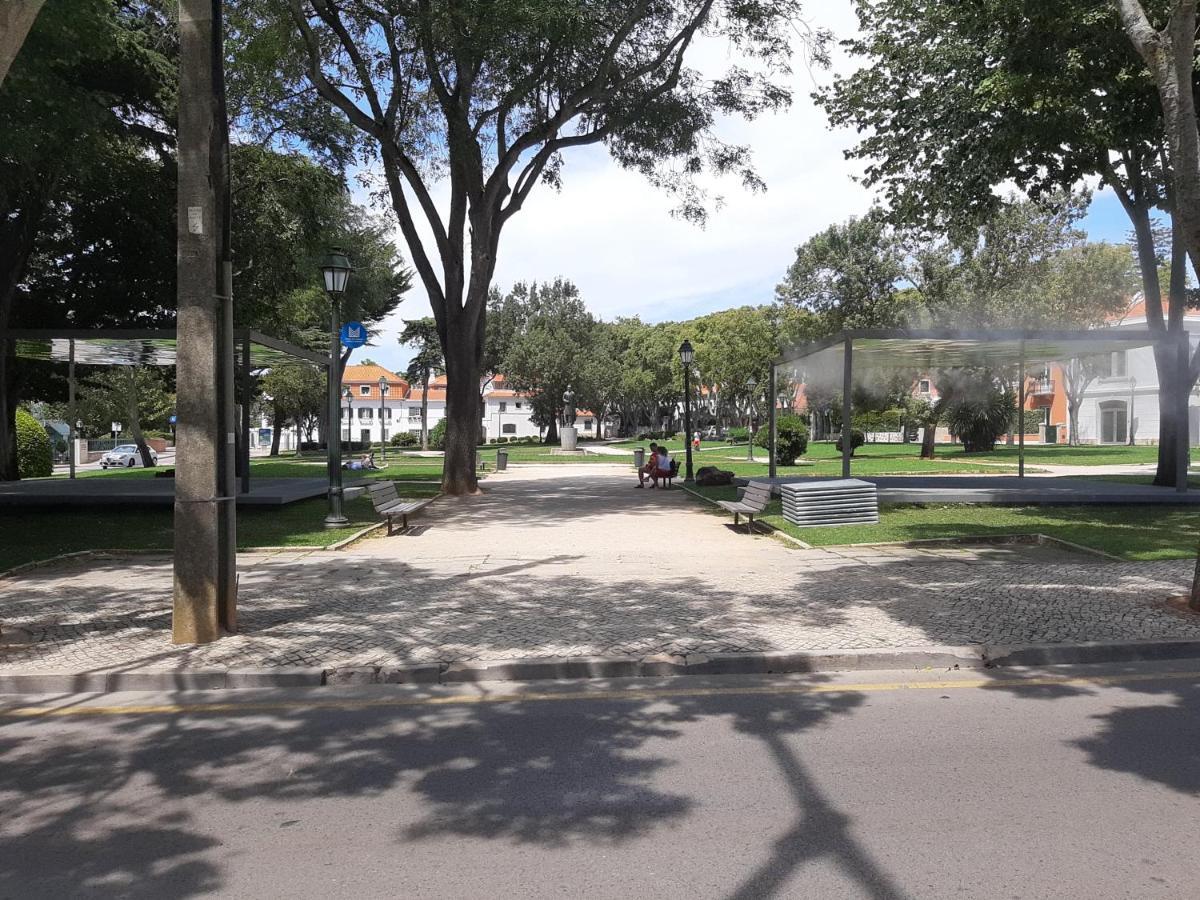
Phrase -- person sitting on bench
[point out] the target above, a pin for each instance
(658, 467)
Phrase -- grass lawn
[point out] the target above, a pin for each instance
(33, 534)
(406, 469)
(1129, 532)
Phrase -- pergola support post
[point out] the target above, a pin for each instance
(1183, 436)
(1021, 414)
(247, 386)
(847, 381)
(71, 411)
(771, 417)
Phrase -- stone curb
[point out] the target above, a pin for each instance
(977, 656)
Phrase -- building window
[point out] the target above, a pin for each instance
(366, 413)
(508, 428)
(587, 423)
(923, 386)
(518, 404)
(364, 390)
(503, 406)
(1111, 365)
(1114, 422)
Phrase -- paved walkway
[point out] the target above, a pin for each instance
(570, 560)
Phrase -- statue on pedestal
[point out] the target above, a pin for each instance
(568, 399)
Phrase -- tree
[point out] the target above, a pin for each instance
(87, 96)
(848, 275)
(1170, 55)
(137, 396)
(549, 351)
(426, 362)
(295, 395)
(955, 100)
(16, 18)
(490, 95)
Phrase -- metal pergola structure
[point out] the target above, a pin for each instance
(154, 347)
(851, 353)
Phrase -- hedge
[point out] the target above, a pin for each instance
(35, 458)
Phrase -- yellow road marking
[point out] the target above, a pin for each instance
(633, 694)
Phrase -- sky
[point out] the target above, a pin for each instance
(613, 235)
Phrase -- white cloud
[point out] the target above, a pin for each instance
(613, 235)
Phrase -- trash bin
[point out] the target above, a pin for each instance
(501, 460)
(639, 457)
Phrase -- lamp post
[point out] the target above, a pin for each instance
(686, 355)
(751, 384)
(335, 271)
(349, 398)
(383, 392)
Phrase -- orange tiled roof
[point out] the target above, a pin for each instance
(1137, 310)
(356, 376)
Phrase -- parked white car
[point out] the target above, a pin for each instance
(125, 456)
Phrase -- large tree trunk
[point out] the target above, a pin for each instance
(277, 424)
(462, 419)
(133, 413)
(16, 18)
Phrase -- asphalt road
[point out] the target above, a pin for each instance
(997, 785)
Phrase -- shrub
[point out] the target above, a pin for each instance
(791, 439)
(737, 435)
(404, 439)
(34, 456)
(979, 421)
(437, 436)
(857, 439)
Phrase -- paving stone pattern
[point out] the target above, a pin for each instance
(572, 561)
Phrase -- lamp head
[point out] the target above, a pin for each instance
(336, 269)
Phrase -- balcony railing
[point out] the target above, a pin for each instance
(1043, 387)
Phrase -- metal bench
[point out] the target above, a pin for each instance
(666, 477)
(389, 504)
(751, 502)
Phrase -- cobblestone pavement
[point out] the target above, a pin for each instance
(573, 561)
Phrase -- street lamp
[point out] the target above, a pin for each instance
(383, 392)
(686, 355)
(751, 385)
(335, 271)
(349, 398)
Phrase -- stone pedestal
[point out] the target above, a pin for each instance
(569, 437)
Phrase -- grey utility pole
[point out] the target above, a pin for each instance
(205, 523)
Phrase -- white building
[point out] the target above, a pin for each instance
(369, 416)
(1124, 398)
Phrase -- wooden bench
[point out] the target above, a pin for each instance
(751, 502)
(389, 504)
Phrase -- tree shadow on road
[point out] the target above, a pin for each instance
(129, 805)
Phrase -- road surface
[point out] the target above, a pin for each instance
(1076, 783)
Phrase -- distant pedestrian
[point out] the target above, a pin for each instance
(696, 441)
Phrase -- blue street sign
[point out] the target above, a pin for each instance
(353, 334)
(171, 420)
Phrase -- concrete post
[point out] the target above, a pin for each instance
(201, 540)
